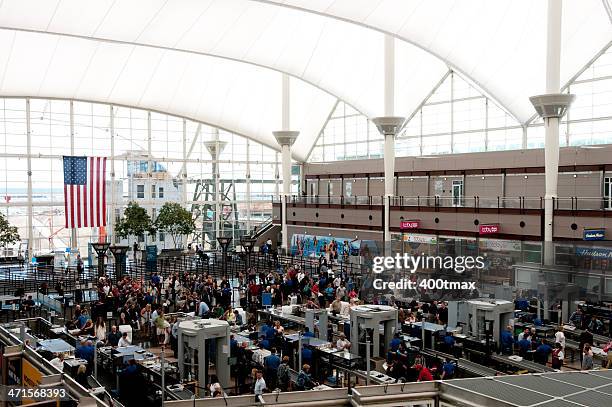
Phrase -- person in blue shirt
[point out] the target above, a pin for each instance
(507, 341)
(307, 333)
(449, 342)
(264, 343)
(267, 330)
(83, 318)
(395, 342)
(86, 352)
(306, 355)
(271, 364)
(233, 346)
(524, 346)
(542, 352)
(448, 369)
(129, 376)
(203, 309)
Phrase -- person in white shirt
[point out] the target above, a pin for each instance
(58, 362)
(260, 384)
(522, 334)
(154, 315)
(124, 341)
(342, 343)
(560, 337)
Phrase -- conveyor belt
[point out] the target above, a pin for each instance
(463, 364)
(523, 364)
(475, 368)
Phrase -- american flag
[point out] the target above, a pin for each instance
(85, 191)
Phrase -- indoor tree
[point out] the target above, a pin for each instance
(175, 220)
(135, 222)
(8, 233)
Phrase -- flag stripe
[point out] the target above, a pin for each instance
(85, 208)
(98, 190)
(104, 193)
(66, 203)
(78, 205)
(71, 206)
(91, 192)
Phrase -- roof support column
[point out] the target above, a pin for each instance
(551, 107)
(285, 138)
(388, 126)
(113, 202)
(183, 179)
(248, 188)
(73, 231)
(29, 222)
(215, 148)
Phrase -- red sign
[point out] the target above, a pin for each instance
(409, 224)
(488, 229)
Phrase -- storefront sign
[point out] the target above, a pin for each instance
(409, 224)
(594, 252)
(424, 239)
(488, 229)
(594, 234)
(500, 245)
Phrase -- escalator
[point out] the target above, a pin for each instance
(265, 231)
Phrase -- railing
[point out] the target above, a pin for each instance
(499, 202)
(31, 278)
(583, 203)
(520, 202)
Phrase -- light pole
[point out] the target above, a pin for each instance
(100, 249)
(119, 253)
(224, 242)
(248, 244)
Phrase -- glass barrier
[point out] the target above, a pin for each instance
(520, 202)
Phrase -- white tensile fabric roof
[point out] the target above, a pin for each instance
(220, 61)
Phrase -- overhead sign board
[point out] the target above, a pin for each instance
(594, 234)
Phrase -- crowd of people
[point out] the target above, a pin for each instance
(143, 304)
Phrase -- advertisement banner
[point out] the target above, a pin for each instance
(31, 378)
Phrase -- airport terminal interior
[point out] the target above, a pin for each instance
(217, 203)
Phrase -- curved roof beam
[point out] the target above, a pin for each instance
(299, 157)
(244, 100)
(448, 63)
(344, 60)
(446, 26)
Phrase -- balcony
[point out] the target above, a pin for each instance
(474, 202)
